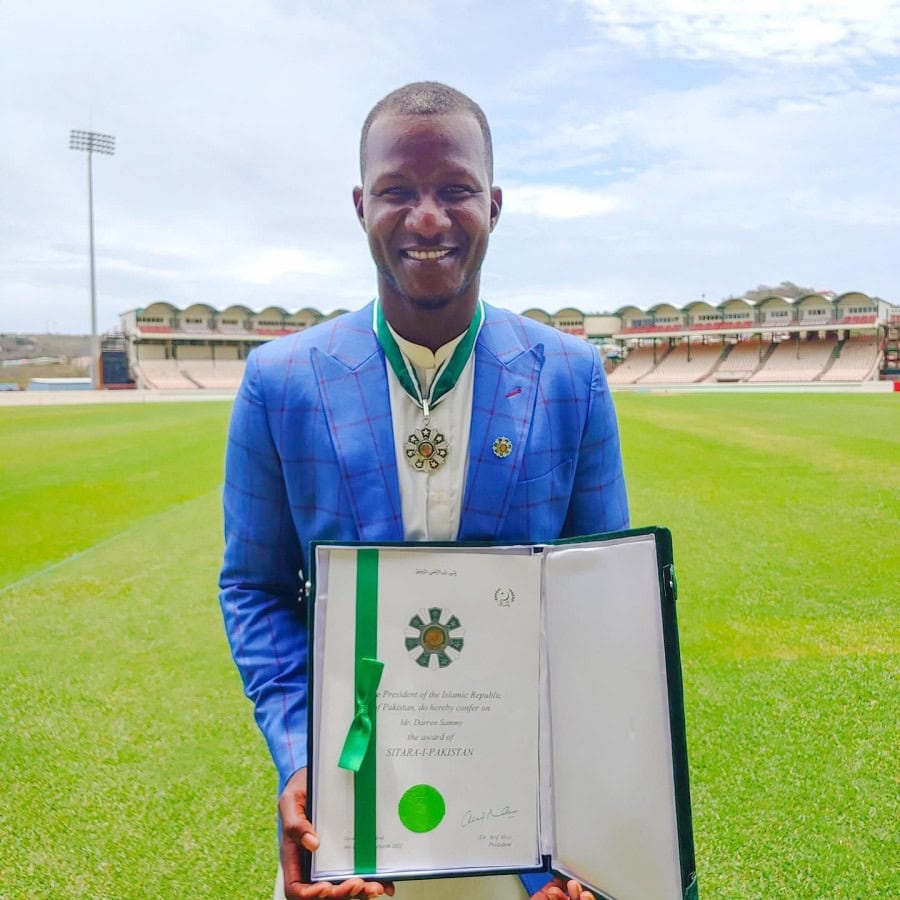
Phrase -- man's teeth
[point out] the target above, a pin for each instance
(427, 254)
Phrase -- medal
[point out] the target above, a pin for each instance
(426, 448)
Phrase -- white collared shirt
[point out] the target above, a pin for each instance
(431, 503)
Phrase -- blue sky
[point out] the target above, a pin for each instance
(648, 151)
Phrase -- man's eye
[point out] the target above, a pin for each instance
(393, 192)
(458, 190)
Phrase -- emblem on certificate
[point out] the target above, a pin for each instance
(426, 449)
(434, 638)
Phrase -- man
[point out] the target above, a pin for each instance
(427, 415)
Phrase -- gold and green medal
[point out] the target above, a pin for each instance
(426, 448)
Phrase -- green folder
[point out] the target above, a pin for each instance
(486, 708)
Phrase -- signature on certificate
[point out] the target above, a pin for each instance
(487, 815)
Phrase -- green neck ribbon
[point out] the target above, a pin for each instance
(446, 376)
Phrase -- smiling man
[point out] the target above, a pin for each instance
(426, 416)
(428, 207)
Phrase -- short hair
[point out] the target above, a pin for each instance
(428, 98)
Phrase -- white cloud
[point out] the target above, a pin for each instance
(273, 263)
(648, 150)
(783, 31)
(549, 201)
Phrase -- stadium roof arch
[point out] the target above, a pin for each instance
(692, 303)
(734, 304)
(629, 309)
(698, 307)
(237, 309)
(157, 308)
(664, 309)
(775, 300)
(271, 311)
(815, 300)
(854, 297)
(199, 309)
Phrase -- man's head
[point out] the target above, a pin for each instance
(428, 98)
(428, 207)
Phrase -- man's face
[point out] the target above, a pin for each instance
(428, 207)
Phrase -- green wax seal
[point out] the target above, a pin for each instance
(421, 808)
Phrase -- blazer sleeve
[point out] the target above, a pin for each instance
(599, 500)
(261, 579)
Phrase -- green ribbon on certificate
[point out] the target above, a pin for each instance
(358, 753)
(356, 745)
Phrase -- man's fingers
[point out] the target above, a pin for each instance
(577, 892)
(292, 809)
(351, 889)
(563, 890)
(290, 862)
(301, 832)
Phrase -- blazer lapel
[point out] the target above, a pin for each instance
(503, 406)
(354, 391)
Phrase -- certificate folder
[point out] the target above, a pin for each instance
(481, 709)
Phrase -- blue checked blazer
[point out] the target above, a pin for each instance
(311, 457)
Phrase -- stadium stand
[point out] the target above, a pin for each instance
(856, 360)
(162, 374)
(684, 364)
(821, 336)
(637, 364)
(741, 362)
(796, 361)
(216, 374)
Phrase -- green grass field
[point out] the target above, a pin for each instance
(129, 763)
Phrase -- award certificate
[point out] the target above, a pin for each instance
(485, 708)
(450, 768)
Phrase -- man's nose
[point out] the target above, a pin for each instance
(428, 218)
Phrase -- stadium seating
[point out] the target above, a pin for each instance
(191, 374)
(857, 360)
(678, 368)
(637, 364)
(161, 374)
(224, 374)
(741, 362)
(795, 362)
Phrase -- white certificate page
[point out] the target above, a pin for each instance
(455, 725)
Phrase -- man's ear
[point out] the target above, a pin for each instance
(358, 204)
(496, 203)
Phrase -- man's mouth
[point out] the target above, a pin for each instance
(427, 255)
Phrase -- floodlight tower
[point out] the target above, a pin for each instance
(92, 142)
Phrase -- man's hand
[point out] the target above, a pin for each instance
(563, 890)
(298, 835)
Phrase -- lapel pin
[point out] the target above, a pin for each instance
(502, 447)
